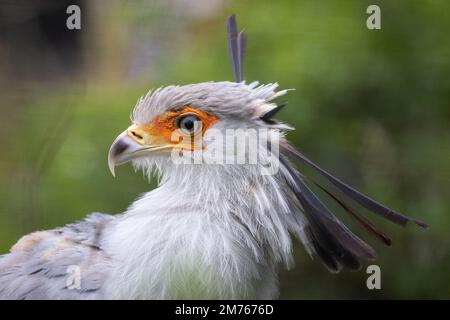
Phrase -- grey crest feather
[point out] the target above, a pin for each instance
(236, 48)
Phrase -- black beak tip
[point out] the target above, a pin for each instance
(118, 148)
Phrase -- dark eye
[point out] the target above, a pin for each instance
(190, 123)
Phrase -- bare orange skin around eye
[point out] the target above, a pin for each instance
(161, 129)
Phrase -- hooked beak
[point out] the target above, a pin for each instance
(131, 144)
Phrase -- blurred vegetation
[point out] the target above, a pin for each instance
(372, 106)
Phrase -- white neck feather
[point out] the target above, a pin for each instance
(207, 231)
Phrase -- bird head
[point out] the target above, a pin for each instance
(191, 120)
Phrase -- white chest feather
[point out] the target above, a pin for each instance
(202, 243)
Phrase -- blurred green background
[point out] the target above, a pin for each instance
(372, 106)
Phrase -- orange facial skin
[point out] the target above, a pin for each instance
(162, 130)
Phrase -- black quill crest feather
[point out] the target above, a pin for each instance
(333, 242)
(352, 193)
(236, 47)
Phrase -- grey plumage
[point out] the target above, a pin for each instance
(225, 99)
(37, 267)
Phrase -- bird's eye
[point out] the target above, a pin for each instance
(189, 124)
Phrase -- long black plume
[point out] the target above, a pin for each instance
(354, 194)
(267, 117)
(236, 48)
(343, 241)
(366, 223)
(242, 43)
(233, 45)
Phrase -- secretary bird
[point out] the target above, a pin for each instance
(211, 229)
